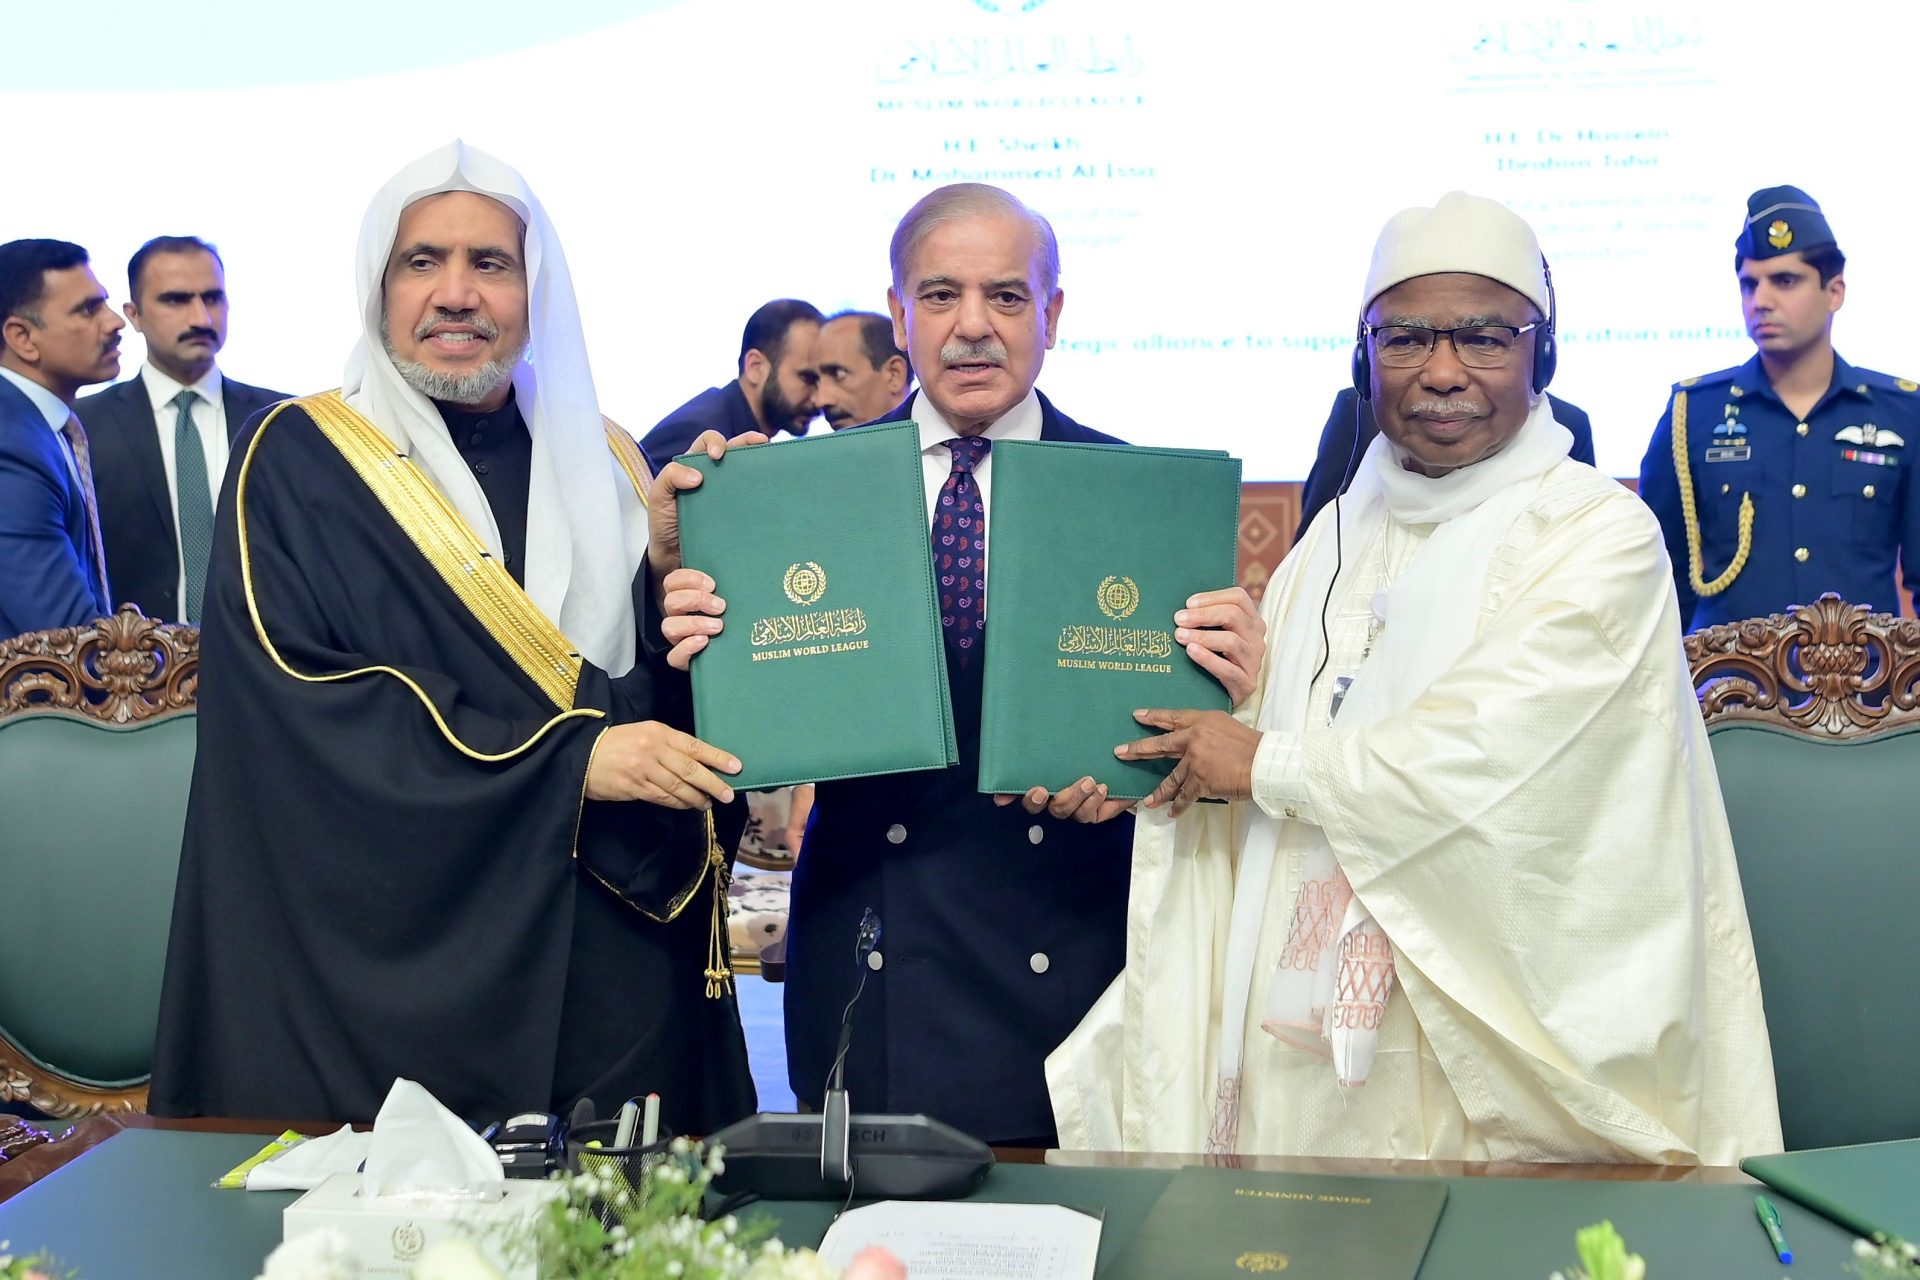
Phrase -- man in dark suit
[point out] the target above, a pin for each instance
(1340, 453)
(57, 334)
(1003, 918)
(161, 438)
(774, 392)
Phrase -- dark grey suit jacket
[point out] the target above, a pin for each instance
(130, 483)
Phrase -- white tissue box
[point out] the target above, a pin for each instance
(388, 1234)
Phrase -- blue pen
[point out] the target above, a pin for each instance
(1770, 1219)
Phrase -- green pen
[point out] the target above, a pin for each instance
(1770, 1219)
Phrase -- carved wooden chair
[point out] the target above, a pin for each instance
(96, 752)
(1814, 717)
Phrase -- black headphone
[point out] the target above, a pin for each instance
(1546, 351)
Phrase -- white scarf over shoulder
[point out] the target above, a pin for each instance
(586, 527)
(1519, 789)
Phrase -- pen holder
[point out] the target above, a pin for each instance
(628, 1165)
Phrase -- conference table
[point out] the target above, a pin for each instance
(141, 1204)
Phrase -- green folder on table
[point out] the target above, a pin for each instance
(1227, 1223)
(831, 663)
(1092, 549)
(1868, 1188)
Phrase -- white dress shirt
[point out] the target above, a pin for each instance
(55, 411)
(210, 420)
(1022, 422)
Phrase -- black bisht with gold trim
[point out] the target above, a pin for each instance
(391, 867)
(1094, 549)
(831, 664)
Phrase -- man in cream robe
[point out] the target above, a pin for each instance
(1475, 896)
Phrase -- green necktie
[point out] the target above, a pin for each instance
(194, 506)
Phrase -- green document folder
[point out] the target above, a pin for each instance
(1091, 550)
(831, 663)
(1874, 1186)
(1225, 1223)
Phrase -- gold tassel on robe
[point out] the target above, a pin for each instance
(719, 971)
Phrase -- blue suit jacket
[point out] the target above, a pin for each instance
(999, 931)
(723, 409)
(47, 579)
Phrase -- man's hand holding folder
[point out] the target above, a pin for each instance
(1224, 633)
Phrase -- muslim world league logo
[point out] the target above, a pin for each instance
(805, 583)
(1118, 597)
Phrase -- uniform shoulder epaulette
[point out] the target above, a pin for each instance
(1708, 379)
(1886, 381)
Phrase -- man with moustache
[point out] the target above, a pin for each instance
(57, 335)
(860, 374)
(160, 440)
(1003, 917)
(1792, 474)
(1419, 883)
(1350, 429)
(773, 394)
(441, 826)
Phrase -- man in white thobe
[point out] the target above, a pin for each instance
(1474, 897)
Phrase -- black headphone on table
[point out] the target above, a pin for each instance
(1546, 350)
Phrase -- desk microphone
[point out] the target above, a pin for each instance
(836, 1161)
(812, 1157)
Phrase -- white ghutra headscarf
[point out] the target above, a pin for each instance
(586, 527)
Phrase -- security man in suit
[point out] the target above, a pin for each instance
(161, 439)
(1792, 474)
(774, 392)
(57, 335)
(1002, 918)
(1350, 429)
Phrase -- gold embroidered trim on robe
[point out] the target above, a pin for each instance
(456, 553)
(436, 529)
(632, 461)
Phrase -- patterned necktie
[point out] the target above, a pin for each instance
(195, 506)
(83, 465)
(960, 550)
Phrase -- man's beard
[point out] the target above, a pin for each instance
(472, 386)
(780, 413)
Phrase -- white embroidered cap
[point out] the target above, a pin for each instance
(1461, 233)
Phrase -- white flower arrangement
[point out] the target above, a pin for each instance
(1603, 1256)
(317, 1255)
(1885, 1258)
(602, 1228)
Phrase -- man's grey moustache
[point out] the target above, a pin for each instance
(1446, 409)
(485, 328)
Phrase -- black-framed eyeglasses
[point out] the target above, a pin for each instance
(1483, 346)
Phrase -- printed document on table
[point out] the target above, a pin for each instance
(953, 1240)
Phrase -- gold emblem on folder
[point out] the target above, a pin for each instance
(805, 582)
(1119, 597)
(1262, 1263)
(1779, 234)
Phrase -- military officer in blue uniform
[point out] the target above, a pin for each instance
(1792, 474)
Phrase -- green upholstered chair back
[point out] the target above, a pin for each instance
(1816, 738)
(96, 753)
